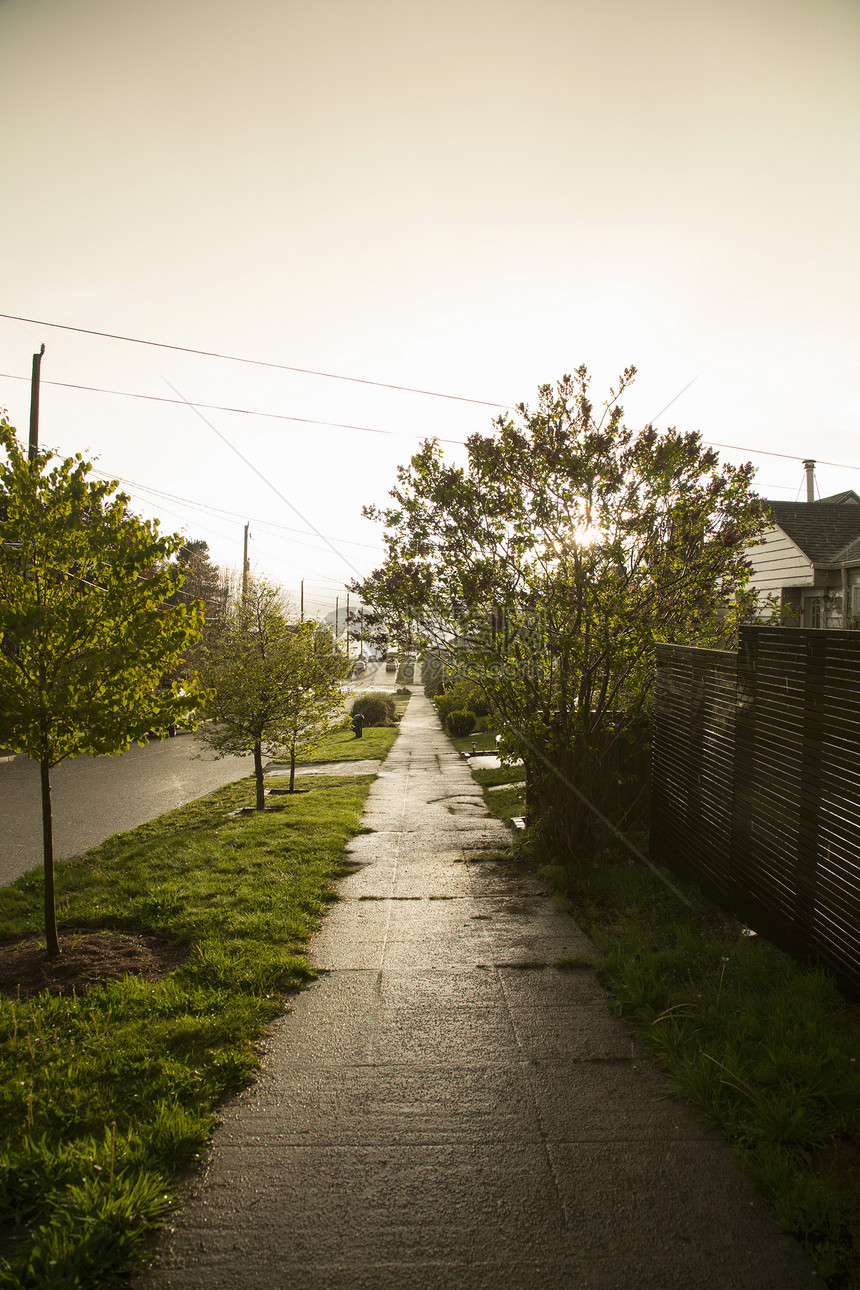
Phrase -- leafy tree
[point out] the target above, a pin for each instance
(313, 692)
(544, 570)
(86, 633)
(276, 684)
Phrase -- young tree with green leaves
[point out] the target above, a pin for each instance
(545, 569)
(314, 691)
(86, 633)
(275, 683)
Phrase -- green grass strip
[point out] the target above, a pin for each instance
(504, 803)
(105, 1097)
(342, 745)
(767, 1048)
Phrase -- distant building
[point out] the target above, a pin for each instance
(808, 564)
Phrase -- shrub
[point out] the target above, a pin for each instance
(433, 686)
(461, 696)
(461, 723)
(377, 708)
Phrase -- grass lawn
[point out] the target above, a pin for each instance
(106, 1096)
(484, 741)
(342, 745)
(504, 803)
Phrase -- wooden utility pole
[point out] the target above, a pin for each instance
(302, 601)
(34, 407)
(245, 563)
(336, 612)
(347, 624)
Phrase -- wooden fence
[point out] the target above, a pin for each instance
(756, 784)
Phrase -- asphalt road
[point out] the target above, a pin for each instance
(95, 797)
(374, 678)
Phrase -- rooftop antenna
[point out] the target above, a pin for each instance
(809, 467)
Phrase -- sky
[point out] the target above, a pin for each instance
(465, 199)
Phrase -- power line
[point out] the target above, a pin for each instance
(267, 482)
(220, 510)
(676, 397)
(217, 407)
(255, 362)
(788, 456)
(342, 425)
(204, 528)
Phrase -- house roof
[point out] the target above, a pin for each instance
(849, 554)
(848, 496)
(823, 530)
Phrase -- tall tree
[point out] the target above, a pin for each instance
(86, 633)
(275, 683)
(201, 580)
(545, 569)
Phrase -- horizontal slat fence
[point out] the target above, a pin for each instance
(692, 766)
(756, 784)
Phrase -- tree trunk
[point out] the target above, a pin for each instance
(258, 775)
(292, 768)
(52, 941)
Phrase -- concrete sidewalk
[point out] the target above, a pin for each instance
(445, 1109)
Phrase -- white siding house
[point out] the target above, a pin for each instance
(808, 562)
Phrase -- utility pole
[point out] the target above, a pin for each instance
(34, 407)
(336, 611)
(302, 602)
(347, 624)
(245, 563)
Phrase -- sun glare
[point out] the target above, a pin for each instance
(586, 535)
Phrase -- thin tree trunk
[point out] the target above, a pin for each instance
(52, 941)
(258, 775)
(292, 768)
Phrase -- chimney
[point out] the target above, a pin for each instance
(809, 467)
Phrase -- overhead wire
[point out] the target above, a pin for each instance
(299, 420)
(256, 362)
(343, 425)
(266, 481)
(220, 510)
(218, 407)
(198, 527)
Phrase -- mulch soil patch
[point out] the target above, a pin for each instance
(89, 957)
